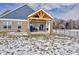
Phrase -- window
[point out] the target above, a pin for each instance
(19, 26)
(7, 24)
(9, 27)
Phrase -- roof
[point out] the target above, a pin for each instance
(43, 11)
(19, 13)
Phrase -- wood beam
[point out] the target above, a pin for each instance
(38, 22)
(38, 14)
(30, 20)
(43, 15)
(40, 18)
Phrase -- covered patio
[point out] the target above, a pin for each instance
(40, 21)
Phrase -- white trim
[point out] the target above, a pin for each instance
(43, 11)
(13, 19)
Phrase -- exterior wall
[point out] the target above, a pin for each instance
(1, 25)
(14, 27)
(24, 26)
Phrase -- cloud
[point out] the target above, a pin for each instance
(73, 14)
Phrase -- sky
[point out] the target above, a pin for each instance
(8, 6)
(58, 10)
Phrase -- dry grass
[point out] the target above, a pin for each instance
(3, 34)
(37, 36)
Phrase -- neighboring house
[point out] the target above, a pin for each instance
(25, 19)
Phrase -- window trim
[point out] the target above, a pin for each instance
(8, 24)
(19, 24)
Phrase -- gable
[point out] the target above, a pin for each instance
(20, 13)
(41, 14)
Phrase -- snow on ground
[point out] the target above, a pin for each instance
(39, 44)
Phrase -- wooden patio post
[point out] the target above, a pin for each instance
(49, 27)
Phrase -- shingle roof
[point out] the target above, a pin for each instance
(19, 13)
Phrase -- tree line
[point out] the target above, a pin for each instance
(66, 24)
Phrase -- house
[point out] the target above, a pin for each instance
(25, 19)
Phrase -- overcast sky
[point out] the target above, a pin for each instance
(58, 10)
